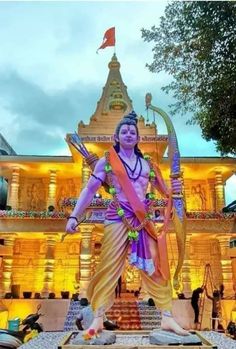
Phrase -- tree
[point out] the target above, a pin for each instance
(196, 44)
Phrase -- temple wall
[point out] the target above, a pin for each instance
(67, 188)
(28, 265)
(30, 258)
(66, 267)
(28, 268)
(197, 195)
(33, 192)
(202, 252)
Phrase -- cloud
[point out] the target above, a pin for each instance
(36, 121)
(39, 120)
(51, 77)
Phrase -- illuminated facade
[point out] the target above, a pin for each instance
(32, 255)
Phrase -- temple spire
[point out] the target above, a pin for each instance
(114, 101)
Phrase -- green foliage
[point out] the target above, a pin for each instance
(196, 44)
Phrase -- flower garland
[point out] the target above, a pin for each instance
(100, 202)
(210, 215)
(133, 232)
(32, 214)
(67, 202)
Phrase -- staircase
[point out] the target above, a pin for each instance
(150, 317)
(129, 315)
(125, 314)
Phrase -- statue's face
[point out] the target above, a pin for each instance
(128, 137)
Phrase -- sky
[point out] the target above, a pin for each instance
(51, 77)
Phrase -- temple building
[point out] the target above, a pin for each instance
(37, 192)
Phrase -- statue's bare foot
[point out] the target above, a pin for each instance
(168, 323)
(96, 326)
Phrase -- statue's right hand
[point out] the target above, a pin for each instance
(71, 225)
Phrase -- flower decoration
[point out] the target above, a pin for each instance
(90, 334)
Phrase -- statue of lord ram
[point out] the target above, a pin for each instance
(129, 221)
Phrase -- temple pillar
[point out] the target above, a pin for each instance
(234, 273)
(85, 257)
(219, 191)
(93, 255)
(51, 201)
(48, 281)
(187, 193)
(7, 262)
(211, 187)
(13, 192)
(85, 173)
(226, 265)
(186, 269)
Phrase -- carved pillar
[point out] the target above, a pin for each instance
(51, 240)
(226, 265)
(234, 273)
(85, 174)
(219, 191)
(7, 262)
(187, 193)
(85, 257)
(186, 269)
(13, 192)
(93, 256)
(211, 186)
(51, 201)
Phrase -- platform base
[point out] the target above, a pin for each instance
(137, 340)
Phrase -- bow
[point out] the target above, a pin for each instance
(179, 216)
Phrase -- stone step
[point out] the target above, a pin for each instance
(151, 311)
(117, 306)
(123, 316)
(148, 317)
(124, 312)
(129, 326)
(133, 321)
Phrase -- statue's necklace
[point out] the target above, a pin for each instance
(128, 168)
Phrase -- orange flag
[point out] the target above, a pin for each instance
(108, 39)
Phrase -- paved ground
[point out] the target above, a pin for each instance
(50, 340)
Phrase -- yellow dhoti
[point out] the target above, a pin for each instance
(101, 290)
